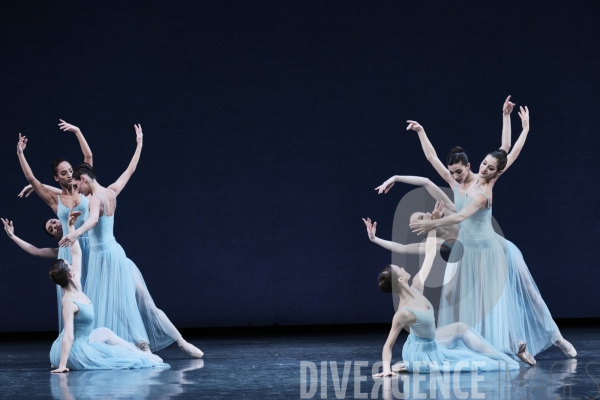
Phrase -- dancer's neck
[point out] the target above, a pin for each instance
(406, 295)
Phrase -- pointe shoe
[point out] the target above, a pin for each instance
(399, 367)
(524, 355)
(189, 349)
(566, 347)
(143, 346)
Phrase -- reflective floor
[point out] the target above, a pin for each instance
(293, 366)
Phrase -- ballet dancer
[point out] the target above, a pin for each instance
(80, 347)
(427, 348)
(116, 286)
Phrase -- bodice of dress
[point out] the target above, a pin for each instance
(62, 212)
(424, 327)
(83, 322)
(103, 231)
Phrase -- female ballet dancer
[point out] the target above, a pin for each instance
(116, 286)
(493, 290)
(63, 201)
(46, 252)
(80, 347)
(427, 348)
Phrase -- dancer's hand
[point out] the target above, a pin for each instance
(438, 211)
(383, 374)
(8, 227)
(371, 228)
(73, 216)
(138, 133)
(27, 190)
(69, 239)
(524, 114)
(65, 126)
(22, 144)
(508, 106)
(422, 226)
(59, 370)
(414, 125)
(386, 186)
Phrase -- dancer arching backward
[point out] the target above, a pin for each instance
(493, 290)
(61, 202)
(426, 348)
(80, 347)
(115, 284)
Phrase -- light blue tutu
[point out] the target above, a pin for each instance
(91, 349)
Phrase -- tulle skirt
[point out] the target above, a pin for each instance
(88, 354)
(493, 292)
(121, 299)
(64, 253)
(426, 355)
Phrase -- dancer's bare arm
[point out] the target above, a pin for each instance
(402, 317)
(433, 189)
(91, 222)
(478, 202)
(85, 148)
(49, 198)
(430, 251)
(124, 178)
(29, 248)
(68, 313)
(27, 190)
(430, 152)
(412, 248)
(506, 129)
(512, 156)
(75, 247)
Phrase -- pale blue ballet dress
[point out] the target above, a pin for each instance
(117, 289)
(62, 212)
(492, 289)
(86, 354)
(424, 353)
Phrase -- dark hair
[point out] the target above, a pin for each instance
(59, 273)
(457, 155)
(55, 165)
(385, 279)
(46, 230)
(84, 169)
(501, 156)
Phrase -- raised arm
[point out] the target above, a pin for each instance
(412, 248)
(75, 247)
(506, 132)
(49, 198)
(124, 178)
(85, 148)
(430, 152)
(512, 156)
(91, 222)
(29, 248)
(478, 202)
(433, 189)
(430, 250)
(27, 190)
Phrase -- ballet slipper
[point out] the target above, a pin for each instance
(566, 347)
(144, 346)
(189, 349)
(399, 367)
(524, 355)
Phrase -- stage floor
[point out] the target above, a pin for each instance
(268, 366)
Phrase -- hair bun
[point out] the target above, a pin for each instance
(504, 151)
(457, 149)
(87, 166)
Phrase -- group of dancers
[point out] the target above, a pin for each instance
(107, 318)
(491, 310)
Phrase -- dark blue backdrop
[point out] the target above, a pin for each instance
(268, 124)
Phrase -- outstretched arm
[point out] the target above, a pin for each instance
(512, 156)
(433, 189)
(124, 178)
(430, 251)
(85, 148)
(430, 152)
(75, 247)
(478, 202)
(29, 248)
(27, 190)
(506, 132)
(91, 222)
(49, 198)
(412, 248)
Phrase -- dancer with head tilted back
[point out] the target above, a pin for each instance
(80, 347)
(115, 284)
(492, 288)
(427, 348)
